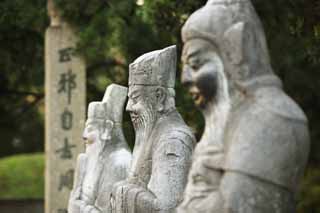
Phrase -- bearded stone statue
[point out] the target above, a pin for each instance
(107, 157)
(255, 145)
(163, 142)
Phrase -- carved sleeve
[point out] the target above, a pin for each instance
(170, 165)
(171, 160)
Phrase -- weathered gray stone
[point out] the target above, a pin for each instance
(254, 149)
(65, 112)
(163, 144)
(107, 157)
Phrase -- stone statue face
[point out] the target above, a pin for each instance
(97, 131)
(201, 64)
(91, 133)
(141, 105)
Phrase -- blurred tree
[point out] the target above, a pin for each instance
(21, 80)
(114, 32)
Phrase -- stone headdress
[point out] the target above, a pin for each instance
(110, 109)
(96, 111)
(157, 68)
(114, 99)
(234, 28)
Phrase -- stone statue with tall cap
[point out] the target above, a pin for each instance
(163, 142)
(107, 157)
(255, 145)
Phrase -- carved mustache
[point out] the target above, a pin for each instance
(142, 119)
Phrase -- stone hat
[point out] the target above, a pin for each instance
(212, 20)
(97, 111)
(234, 28)
(114, 99)
(157, 68)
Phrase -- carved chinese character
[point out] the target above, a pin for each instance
(66, 120)
(66, 180)
(67, 83)
(65, 152)
(66, 54)
(62, 211)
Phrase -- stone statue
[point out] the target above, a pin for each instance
(163, 143)
(107, 157)
(255, 145)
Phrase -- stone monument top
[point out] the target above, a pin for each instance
(54, 14)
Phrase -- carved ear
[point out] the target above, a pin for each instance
(161, 94)
(234, 42)
(106, 135)
(161, 97)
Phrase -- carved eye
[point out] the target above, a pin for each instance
(194, 64)
(134, 99)
(194, 67)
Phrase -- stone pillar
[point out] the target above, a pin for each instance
(65, 111)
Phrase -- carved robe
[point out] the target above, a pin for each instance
(158, 183)
(95, 178)
(262, 160)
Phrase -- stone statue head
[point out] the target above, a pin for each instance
(151, 86)
(98, 127)
(224, 37)
(104, 116)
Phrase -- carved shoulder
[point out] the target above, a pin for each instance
(170, 165)
(275, 100)
(268, 142)
(179, 133)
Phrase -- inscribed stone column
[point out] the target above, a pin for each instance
(65, 111)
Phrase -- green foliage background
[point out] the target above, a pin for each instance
(22, 176)
(114, 32)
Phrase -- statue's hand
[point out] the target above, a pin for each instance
(76, 206)
(117, 195)
(90, 209)
(120, 194)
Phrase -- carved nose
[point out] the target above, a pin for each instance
(129, 106)
(186, 76)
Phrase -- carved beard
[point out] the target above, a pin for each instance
(216, 116)
(217, 113)
(143, 124)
